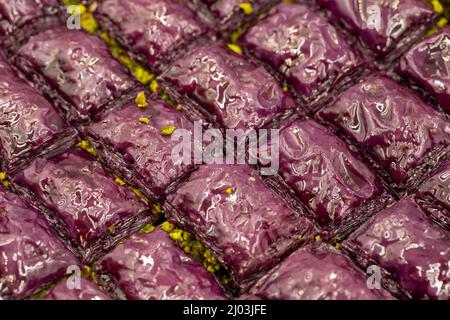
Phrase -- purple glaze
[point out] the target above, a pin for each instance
(88, 291)
(383, 25)
(389, 121)
(316, 272)
(80, 67)
(142, 146)
(326, 176)
(428, 65)
(32, 256)
(14, 14)
(303, 46)
(152, 267)
(238, 93)
(80, 193)
(232, 211)
(28, 122)
(438, 186)
(415, 251)
(152, 28)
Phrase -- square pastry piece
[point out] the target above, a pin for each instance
(19, 19)
(304, 48)
(232, 212)
(32, 257)
(236, 93)
(384, 26)
(413, 250)
(404, 135)
(316, 272)
(68, 289)
(150, 266)
(89, 210)
(76, 71)
(137, 143)
(428, 66)
(154, 32)
(338, 188)
(29, 125)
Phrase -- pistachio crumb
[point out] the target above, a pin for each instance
(246, 7)
(2, 175)
(112, 228)
(147, 228)
(141, 100)
(338, 246)
(144, 120)
(300, 237)
(235, 48)
(229, 190)
(120, 182)
(437, 6)
(318, 238)
(84, 144)
(6, 184)
(179, 107)
(167, 130)
(154, 85)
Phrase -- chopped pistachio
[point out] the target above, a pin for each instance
(338, 246)
(179, 107)
(120, 182)
(87, 146)
(6, 184)
(234, 47)
(229, 190)
(168, 130)
(141, 100)
(167, 226)
(437, 6)
(285, 88)
(442, 22)
(246, 7)
(112, 228)
(318, 238)
(144, 120)
(2, 175)
(154, 85)
(89, 23)
(299, 237)
(147, 228)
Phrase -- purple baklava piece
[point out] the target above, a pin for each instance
(153, 31)
(131, 141)
(232, 212)
(32, 257)
(427, 65)
(328, 178)
(384, 26)
(316, 272)
(87, 290)
(90, 211)
(236, 93)
(402, 133)
(21, 19)
(413, 250)
(76, 71)
(29, 125)
(305, 48)
(150, 266)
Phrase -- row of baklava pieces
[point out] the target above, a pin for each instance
(404, 253)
